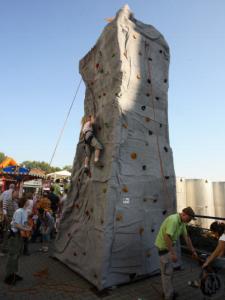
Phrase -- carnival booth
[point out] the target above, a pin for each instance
(17, 174)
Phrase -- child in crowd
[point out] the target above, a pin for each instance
(90, 140)
(46, 227)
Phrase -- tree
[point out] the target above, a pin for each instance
(68, 168)
(40, 165)
(2, 156)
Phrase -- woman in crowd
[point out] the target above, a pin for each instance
(218, 229)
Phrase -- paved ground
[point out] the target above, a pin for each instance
(47, 279)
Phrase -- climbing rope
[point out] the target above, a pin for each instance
(64, 125)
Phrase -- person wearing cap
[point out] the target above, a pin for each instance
(170, 230)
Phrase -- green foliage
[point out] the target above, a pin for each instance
(40, 165)
(67, 168)
(2, 156)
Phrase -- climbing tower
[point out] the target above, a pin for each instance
(111, 218)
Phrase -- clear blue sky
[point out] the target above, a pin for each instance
(42, 43)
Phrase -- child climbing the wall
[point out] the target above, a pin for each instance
(90, 140)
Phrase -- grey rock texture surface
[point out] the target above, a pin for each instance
(110, 222)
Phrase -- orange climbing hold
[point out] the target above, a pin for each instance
(125, 189)
(141, 230)
(133, 155)
(119, 217)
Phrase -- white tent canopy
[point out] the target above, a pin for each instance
(60, 174)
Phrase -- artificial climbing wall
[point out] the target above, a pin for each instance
(111, 218)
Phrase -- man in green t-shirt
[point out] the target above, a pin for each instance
(171, 229)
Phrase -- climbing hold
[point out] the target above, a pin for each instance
(143, 107)
(104, 94)
(92, 83)
(95, 276)
(113, 55)
(77, 206)
(125, 54)
(144, 167)
(99, 96)
(84, 253)
(160, 125)
(155, 200)
(181, 180)
(119, 217)
(167, 177)
(141, 230)
(165, 80)
(166, 149)
(147, 95)
(150, 132)
(133, 155)
(146, 143)
(148, 254)
(149, 81)
(134, 36)
(157, 98)
(69, 234)
(125, 189)
(164, 212)
(102, 221)
(145, 199)
(150, 59)
(101, 71)
(138, 76)
(75, 254)
(97, 66)
(206, 181)
(152, 230)
(87, 213)
(104, 190)
(139, 53)
(125, 125)
(160, 51)
(100, 53)
(147, 119)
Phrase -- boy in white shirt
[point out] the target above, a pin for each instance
(15, 242)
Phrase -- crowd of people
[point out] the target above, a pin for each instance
(25, 219)
(35, 217)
